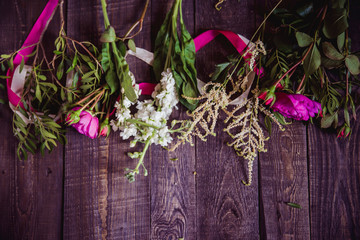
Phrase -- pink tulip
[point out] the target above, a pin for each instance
(296, 106)
(87, 125)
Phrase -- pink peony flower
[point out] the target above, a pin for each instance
(87, 125)
(296, 106)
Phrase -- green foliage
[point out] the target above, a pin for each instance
(177, 51)
(317, 38)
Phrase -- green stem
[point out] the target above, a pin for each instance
(265, 19)
(106, 17)
(139, 122)
(141, 159)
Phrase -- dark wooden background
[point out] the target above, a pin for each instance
(80, 192)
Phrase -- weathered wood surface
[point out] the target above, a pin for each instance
(79, 191)
(32, 190)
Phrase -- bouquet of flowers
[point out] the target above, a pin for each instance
(301, 67)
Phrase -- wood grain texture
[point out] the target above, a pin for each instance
(283, 179)
(99, 202)
(334, 185)
(226, 208)
(334, 166)
(173, 195)
(31, 191)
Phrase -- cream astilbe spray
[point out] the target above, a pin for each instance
(149, 124)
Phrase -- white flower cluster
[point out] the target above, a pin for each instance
(149, 122)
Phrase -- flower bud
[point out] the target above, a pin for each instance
(105, 128)
(344, 131)
(73, 116)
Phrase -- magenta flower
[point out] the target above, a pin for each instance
(296, 106)
(87, 125)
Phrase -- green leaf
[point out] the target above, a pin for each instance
(331, 52)
(111, 80)
(303, 39)
(48, 134)
(122, 48)
(131, 45)
(346, 116)
(329, 63)
(294, 205)
(281, 118)
(62, 94)
(38, 93)
(3, 67)
(105, 56)
(327, 120)
(188, 91)
(42, 77)
(74, 62)
(335, 22)
(312, 61)
(219, 69)
(341, 41)
(60, 70)
(268, 125)
(50, 85)
(57, 52)
(108, 36)
(353, 64)
(87, 75)
(85, 58)
(5, 55)
(11, 63)
(22, 65)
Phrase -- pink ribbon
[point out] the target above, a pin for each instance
(27, 48)
(201, 41)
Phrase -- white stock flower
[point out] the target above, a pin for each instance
(149, 122)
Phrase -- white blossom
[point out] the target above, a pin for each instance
(149, 122)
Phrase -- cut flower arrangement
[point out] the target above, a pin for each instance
(300, 67)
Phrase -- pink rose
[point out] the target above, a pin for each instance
(87, 125)
(268, 94)
(344, 131)
(296, 106)
(104, 128)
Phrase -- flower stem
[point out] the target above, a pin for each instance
(140, 21)
(141, 159)
(139, 122)
(293, 67)
(264, 21)
(106, 17)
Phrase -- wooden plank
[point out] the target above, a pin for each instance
(99, 202)
(173, 195)
(284, 178)
(226, 208)
(334, 166)
(334, 185)
(31, 191)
